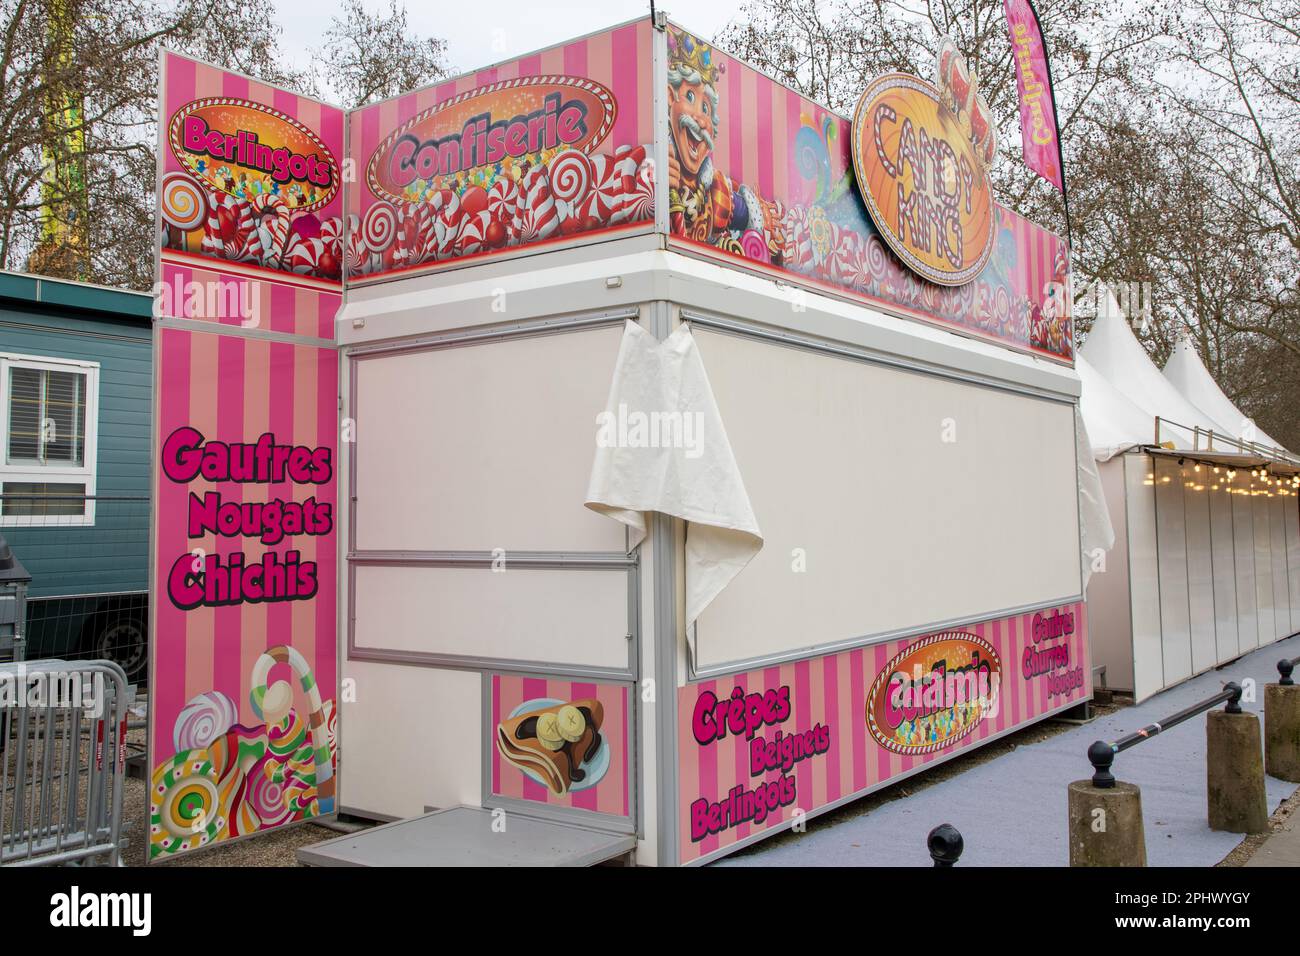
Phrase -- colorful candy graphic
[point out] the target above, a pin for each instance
(570, 193)
(229, 780)
(186, 810)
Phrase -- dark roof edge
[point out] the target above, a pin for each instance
(33, 290)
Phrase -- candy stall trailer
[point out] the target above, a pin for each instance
(906, 490)
(1206, 562)
(704, 460)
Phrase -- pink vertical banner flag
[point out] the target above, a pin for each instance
(1038, 127)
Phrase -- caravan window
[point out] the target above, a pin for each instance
(47, 433)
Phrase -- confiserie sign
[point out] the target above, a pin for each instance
(512, 121)
(922, 180)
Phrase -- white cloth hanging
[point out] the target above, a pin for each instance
(661, 446)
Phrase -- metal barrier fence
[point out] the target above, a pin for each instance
(88, 556)
(62, 762)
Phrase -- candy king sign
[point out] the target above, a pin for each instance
(923, 179)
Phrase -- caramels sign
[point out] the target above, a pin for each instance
(934, 693)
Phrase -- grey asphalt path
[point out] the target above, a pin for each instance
(1011, 811)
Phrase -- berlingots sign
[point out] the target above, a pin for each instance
(243, 149)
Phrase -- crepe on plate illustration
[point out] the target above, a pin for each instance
(553, 742)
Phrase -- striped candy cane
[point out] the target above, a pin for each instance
(272, 704)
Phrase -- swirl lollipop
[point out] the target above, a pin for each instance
(184, 205)
(204, 719)
(571, 177)
(379, 227)
(185, 808)
(754, 245)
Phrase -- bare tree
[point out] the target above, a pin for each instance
(369, 57)
(78, 108)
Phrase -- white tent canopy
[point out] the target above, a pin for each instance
(1117, 356)
(1114, 423)
(1187, 373)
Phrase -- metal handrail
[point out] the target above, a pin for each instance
(1102, 754)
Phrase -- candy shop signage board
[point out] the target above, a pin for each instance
(763, 178)
(539, 151)
(243, 639)
(922, 180)
(757, 747)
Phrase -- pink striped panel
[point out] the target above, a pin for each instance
(233, 389)
(834, 692)
(618, 59)
(778, 143)
(611, 793)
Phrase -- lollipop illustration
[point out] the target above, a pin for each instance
(184, 204)
(273, 703)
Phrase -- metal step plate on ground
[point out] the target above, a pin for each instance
(463, 836)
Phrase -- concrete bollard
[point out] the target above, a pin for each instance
(1282, 726)
(1234, 773)
(1106, 825)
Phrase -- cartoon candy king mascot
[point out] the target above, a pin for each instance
(700, 199)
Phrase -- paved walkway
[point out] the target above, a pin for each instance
(1011, 811)
(1281, 849)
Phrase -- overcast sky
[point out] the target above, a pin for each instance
(481, 33)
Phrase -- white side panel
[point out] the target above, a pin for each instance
(483, 446)
(887, 499)
(1281, 582)
(410, 740)
(1110, 628)
(1243, 527)
(1200, 570)
(544, 616)
(1291, 526)
(1263, 566)
(1171, 539)
(1144, 577)
(1223, 552)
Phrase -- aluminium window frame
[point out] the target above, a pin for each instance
(86, 473)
